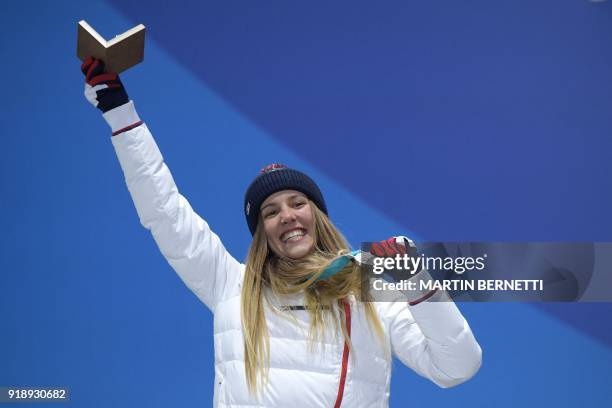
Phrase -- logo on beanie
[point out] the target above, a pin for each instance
(248, 208)
(272, 167)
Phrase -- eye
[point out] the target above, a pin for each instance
(299, 204)
(270, 214)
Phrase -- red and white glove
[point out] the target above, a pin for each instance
(103, 90)
(404, 246)
(106, 92)
(393, 246)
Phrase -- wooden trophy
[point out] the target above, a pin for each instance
(122, 52)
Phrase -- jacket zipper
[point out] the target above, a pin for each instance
(345, 356)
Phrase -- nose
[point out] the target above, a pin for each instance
(286, 215)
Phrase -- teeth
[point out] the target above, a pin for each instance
(291, 234)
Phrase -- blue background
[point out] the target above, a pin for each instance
(478, 120)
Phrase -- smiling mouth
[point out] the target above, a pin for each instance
(293, 235)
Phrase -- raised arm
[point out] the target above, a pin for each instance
(426, 329)
(184, 239)
(434, 340)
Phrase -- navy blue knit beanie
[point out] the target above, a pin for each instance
(274, 178)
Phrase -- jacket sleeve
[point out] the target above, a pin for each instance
(184, 239)
(434, 339)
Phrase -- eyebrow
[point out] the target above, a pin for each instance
(291, 197)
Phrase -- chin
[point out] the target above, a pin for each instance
(298, 254)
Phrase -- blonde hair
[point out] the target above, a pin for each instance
(285, 276)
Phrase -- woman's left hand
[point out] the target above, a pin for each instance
(393, 246)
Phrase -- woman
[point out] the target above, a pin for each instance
(289, 330)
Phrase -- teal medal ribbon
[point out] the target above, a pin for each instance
(338, 264)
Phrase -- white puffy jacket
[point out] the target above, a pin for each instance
(432, 338)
